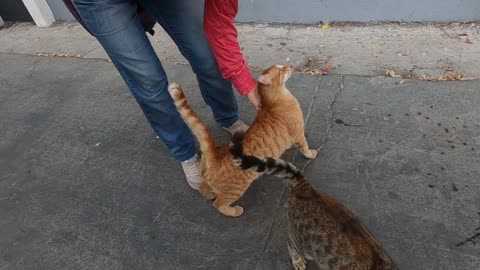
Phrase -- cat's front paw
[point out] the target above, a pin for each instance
(230, 211)
(300, 264)
(311, 154)
(238, 211)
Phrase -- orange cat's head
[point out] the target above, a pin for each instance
(272, 81)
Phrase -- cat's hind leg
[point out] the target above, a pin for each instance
(207, 191)
(299, 263)
(302, 145)
(223, 204)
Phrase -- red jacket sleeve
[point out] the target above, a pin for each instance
(223, 38)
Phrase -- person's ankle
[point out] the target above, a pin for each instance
(191, 169)
(237, 126)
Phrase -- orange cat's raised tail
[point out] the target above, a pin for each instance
(196, 125)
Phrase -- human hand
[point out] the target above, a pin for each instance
(255, 99)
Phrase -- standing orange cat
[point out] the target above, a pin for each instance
(278, 126)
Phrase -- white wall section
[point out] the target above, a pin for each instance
(40, 12)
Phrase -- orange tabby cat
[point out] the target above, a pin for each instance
(278, 126)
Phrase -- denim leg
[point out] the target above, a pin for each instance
(118, 29)
(183, 21)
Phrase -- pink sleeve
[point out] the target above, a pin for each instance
(223, 38)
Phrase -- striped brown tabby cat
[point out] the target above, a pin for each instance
(277, 127)
(319, 228)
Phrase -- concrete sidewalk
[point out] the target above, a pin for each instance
(85, 184)
(414, 50)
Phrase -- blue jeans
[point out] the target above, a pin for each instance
(117, 27)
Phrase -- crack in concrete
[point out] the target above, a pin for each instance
(333, 114)
(89, 51)
(309, 111)
(33, 68)
(310, 106)
(471, 239)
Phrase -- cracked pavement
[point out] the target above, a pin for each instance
(85, 184)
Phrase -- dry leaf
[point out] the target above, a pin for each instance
(323, 45)
(256, 68)
(316, 71)
(391, 73)
(269, 45)
(411, 76)
(450, 76)
(283, 43)
(464, 38)
(328, 67)
(297, 69)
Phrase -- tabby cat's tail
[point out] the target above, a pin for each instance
(198, 128)
(272, 166)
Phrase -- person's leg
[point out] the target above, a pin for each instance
(117, 27)
(183, 21)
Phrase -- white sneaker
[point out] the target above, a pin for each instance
(191, 168)
(237, 126)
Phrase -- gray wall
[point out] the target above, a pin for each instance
(312, 11)
(60, 12)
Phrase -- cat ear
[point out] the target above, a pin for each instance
(265, 79)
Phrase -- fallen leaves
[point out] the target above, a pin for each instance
(329, 67)
(58, 55)
(326, 69)
(391, 73)
(464, 38)
(315, 71)
(448, 74)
